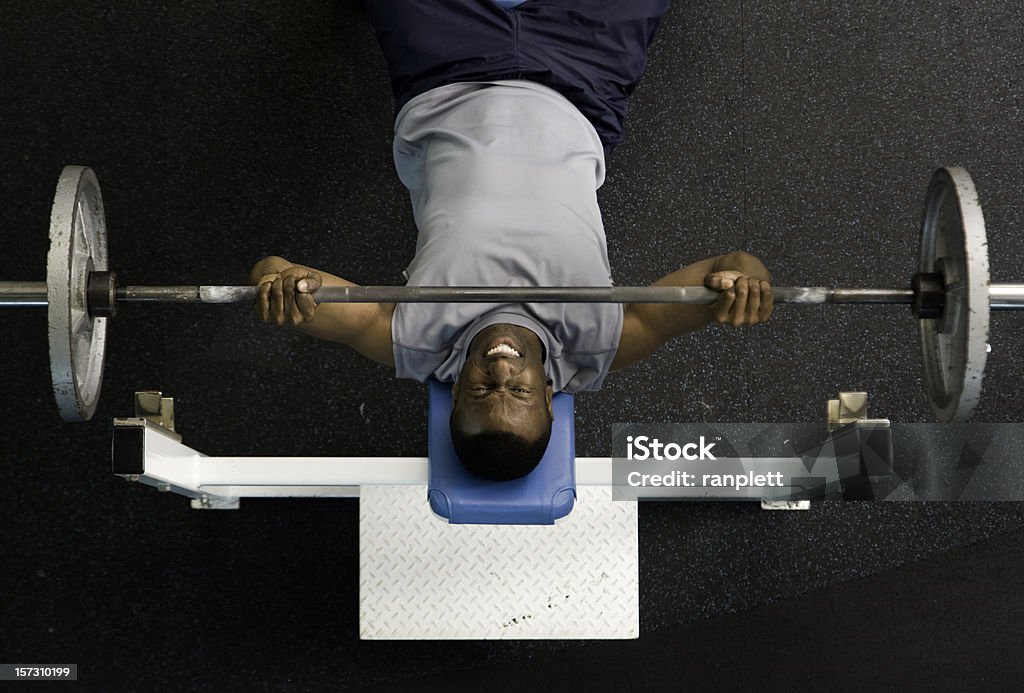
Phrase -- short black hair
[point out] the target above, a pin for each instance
(498, 456)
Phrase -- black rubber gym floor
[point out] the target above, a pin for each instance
(802, 131)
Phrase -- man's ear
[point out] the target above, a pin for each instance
(549, 392)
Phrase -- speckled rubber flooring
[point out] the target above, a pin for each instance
(803, 131)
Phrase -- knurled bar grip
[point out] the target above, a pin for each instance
(34, 293)
(27, 294)
(1001, 296)
(553, 294)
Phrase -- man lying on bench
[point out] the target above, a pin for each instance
(501, 139)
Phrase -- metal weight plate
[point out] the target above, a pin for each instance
(954, 347)
(78, 245)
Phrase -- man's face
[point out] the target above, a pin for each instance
(502, 385)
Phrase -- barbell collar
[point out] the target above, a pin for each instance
(101, 294)
(929, 295)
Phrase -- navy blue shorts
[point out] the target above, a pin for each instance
(593, 52)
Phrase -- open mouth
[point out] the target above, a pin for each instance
(503, 349)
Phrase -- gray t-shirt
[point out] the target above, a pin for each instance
(503, 178)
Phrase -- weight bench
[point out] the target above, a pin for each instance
(514, 575)
(147, 449)
(500, 567)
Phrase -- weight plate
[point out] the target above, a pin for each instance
(954, 347)
(78, 245)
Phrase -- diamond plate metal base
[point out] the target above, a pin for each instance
(423, 579)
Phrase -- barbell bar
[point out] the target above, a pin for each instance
(34, 294)
(951, 294)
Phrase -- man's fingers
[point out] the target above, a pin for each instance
(739, 307)
(304, 302)
(306, 305)
(723, 306)
(277, 302)
(263, 302)
(287, 298)
(297, 302)
(288, 302)
(724, 282)
(298, 296)
(753, 301)
(263, 296)
(767, 301)
(748, 302)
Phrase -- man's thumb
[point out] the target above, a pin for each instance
(719, 281)
(309, 284)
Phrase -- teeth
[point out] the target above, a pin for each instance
(503, 349)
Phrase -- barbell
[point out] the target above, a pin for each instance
(950, 295)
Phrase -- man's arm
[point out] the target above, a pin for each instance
(746, 300)
(286, 298)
